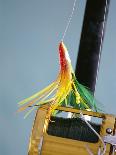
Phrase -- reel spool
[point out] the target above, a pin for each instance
(45, 140)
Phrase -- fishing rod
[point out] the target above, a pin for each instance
(91, 42)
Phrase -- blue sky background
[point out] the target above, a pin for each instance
(29, 35)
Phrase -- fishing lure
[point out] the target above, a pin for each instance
(65, 90)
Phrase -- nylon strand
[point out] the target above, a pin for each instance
(69, 20)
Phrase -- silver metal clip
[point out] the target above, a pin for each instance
(110, 139)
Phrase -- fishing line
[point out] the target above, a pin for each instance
(69, 20)
(101, 41)
(89, 125)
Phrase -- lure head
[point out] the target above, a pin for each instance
(64, 56)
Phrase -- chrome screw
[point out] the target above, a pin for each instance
(109, 130)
